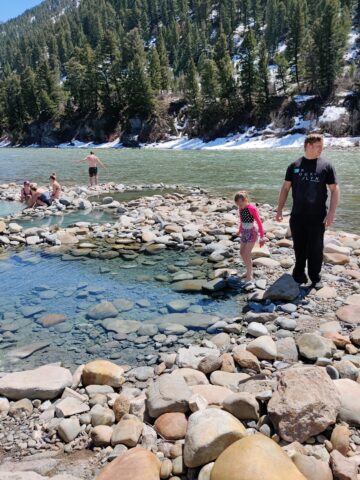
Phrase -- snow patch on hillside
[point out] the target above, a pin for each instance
(332, 114)
(76, 144)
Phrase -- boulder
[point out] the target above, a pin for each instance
(349, 314)
(312, 346)
(209, 432)
(311, 467)
(304, 404)
(255, 458)
(135, 464)
(285, 289)
(44, 383)
(168, 394)
(340, 439)
(171, 426)
(102, 372)
(349, 392)
(246, 359)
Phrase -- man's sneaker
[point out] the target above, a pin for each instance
(301, 280)
(317, 285)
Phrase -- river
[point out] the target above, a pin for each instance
(261, 171)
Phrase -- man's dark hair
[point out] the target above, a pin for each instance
(91, 153)
(313, 138)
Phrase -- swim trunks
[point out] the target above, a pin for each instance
(45, 198)
(92, 171)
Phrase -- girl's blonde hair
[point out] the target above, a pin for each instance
(242, 195)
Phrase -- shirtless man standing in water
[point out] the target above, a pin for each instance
(93, 161)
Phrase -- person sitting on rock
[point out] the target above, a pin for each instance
(248, 214)
(40, 196)
(56, 187)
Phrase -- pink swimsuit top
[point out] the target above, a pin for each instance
(248, 216)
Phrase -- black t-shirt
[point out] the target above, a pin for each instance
(309, 179)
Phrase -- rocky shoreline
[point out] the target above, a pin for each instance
(282, 378)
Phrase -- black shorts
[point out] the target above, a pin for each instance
(45, 199)
(92, 171)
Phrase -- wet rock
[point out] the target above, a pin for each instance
(188, 286)
(52, 319)
(188, 320)
(27, 350)
(44, 383)
(237, 462)
(171, 426)
(168, 394)
(178, 306)
(136, 464)
(123, 305)
(102, 310)
(209, 433)
(285, 288)
(312, 346)
(304, 404)
(102, 372)
(121, 326)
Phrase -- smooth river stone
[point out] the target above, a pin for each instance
(189, 320)
(349, 314)
(44, 383)
(136, 464)
(121, 326)
(255, 457)
(52, 319)
(188, 286)
(27, 350)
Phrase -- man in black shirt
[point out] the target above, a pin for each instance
(309, 178)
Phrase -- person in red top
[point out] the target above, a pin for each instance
(248, 214)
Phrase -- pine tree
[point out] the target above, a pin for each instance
(155, 70)
(192, 91)
(282, 71)
(296, 37)
(210, 85)
(263, 76)
(164, 63)
(248, 73)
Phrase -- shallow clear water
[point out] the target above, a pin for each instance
(71, 288)
(261, 171)
(9, 208)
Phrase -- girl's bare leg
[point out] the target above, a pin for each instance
(245, 252)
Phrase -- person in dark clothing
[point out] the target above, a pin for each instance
(310, 177)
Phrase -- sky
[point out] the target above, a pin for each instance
(13, 8)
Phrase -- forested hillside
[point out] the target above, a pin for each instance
(143, 69)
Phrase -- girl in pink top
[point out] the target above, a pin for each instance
(248, 214)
